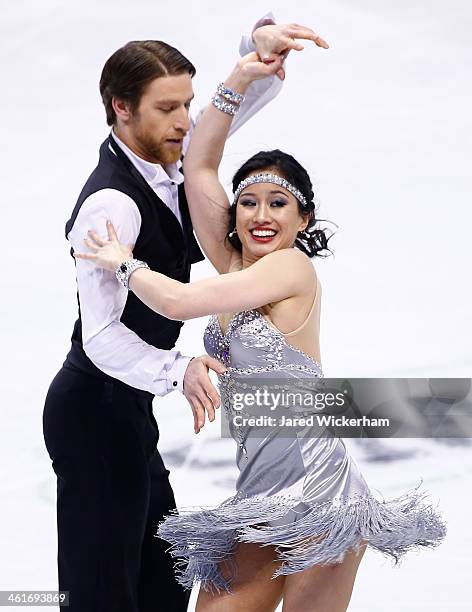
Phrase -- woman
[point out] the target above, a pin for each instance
(303, 515)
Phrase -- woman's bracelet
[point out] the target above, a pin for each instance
(227, 100)
(226, 107)
(229, 94)
(124, 271)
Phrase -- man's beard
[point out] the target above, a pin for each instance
(157, 152)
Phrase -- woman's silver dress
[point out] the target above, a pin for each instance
(290, 488)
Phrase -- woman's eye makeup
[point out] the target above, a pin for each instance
(274, 203)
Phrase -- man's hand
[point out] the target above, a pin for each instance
(199, 390)
(278, 40)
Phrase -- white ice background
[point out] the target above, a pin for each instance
(381, 120)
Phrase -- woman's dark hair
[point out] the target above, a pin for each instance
(312, 240)
(132, 67)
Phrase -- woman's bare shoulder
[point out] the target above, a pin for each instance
(292, 261)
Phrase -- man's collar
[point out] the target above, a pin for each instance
(153, 173)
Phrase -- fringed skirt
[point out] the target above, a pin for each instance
(311, 503)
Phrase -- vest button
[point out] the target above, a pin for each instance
(175, 383)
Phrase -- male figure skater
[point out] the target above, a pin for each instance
(100, 432)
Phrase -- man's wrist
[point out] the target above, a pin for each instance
(268, 19)
(175, 376)
(247, 44)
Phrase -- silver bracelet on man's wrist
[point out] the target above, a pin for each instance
(124, 270)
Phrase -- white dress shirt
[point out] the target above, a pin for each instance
(109, 344)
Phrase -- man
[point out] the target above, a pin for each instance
(112, 485)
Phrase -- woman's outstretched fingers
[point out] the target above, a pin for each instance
(96, 238)
(93, 247)
(90, 256)
(111, 231)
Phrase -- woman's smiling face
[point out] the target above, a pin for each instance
(267, 219)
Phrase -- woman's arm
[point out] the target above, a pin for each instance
(290, 272)
(207, 199)
(279, 275)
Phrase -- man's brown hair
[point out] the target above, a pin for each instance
(132, 67)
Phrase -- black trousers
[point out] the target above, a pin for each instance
(112, 490)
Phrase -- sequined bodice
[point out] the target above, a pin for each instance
(251, 345)
(253, 349)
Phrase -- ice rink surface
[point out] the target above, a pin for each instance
(381, 121)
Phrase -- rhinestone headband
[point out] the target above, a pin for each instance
(267, 177)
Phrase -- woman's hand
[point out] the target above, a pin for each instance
(107, 254)
(252, 68)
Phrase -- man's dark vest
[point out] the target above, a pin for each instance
(162, 243)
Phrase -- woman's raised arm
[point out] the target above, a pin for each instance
(207, 199)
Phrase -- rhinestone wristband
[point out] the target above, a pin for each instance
(124, 271)
(229, 94)
(226, 107)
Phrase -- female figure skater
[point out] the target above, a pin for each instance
(303, 514)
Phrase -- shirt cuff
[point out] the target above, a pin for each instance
(175, 374)
(247, 44)
(268, 19)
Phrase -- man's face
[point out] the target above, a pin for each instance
(160, 122)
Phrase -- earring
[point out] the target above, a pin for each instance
(231, 234)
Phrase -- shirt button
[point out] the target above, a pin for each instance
(175, 383)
